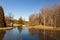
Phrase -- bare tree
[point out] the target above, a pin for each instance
(47, 16)
(9, 19)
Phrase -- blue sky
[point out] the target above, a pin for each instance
(25, 8)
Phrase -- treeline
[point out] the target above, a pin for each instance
(47, 16)
(10, 21)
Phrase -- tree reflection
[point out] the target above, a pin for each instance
(50, 35)
(20, 28)
(33, 31)
(2, 33)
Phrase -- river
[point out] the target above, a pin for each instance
(18, 34)
(24, 33)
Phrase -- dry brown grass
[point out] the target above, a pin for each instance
(6, 28)
(44, 27)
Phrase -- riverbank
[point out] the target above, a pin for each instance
(44, 27)
(6, 28)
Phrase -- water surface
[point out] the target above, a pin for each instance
(18, 34)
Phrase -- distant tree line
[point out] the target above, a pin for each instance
(10, 20)
(47, 16)
(20, 21)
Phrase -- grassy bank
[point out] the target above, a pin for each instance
(6, 28)
(43, 27)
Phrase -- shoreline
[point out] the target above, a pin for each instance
(6, 28)
(44, 27)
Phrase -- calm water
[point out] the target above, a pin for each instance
(19, 34)
(22, 33)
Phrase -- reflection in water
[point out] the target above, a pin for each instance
(20, 28)
(16, 34)
(25, 34)
(49, 35)
(35, 33)
(29, 34)
(2, 33)
(12, 34)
